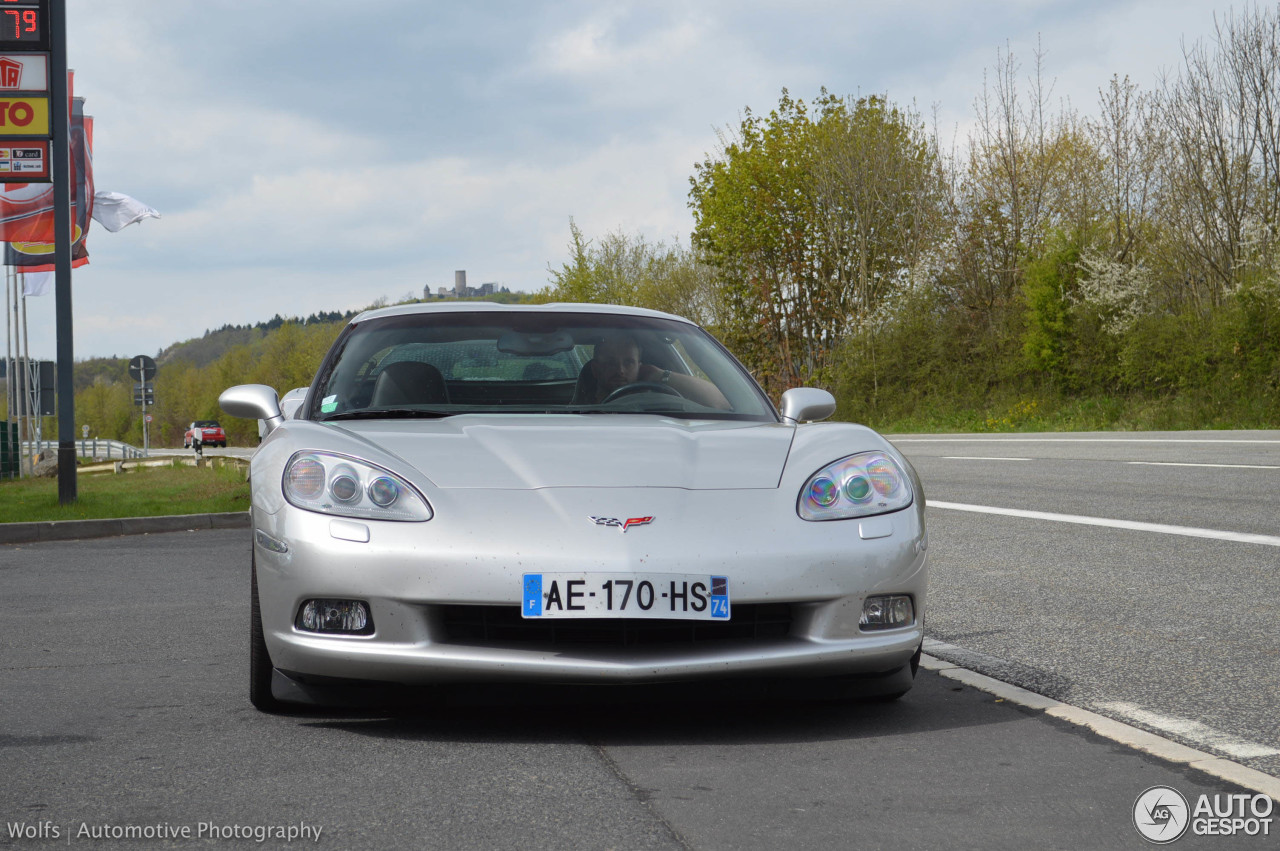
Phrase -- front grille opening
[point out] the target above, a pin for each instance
(502, 625)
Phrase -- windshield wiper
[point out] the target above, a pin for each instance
(389, 414)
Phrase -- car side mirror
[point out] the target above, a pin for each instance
(253, 402)
(807, 403)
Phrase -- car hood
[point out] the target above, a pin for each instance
(517, 452)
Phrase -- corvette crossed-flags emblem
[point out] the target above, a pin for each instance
(622, 525)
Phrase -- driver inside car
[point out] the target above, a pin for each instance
(617, 364)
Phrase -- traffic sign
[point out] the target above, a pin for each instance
(142, 368)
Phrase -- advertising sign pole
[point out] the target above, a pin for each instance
(61, 156)
(28, 380)
(10, 368)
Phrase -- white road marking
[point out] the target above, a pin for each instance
(979, 458)
(1187, 729)
(1185, 464)
(1164, 529)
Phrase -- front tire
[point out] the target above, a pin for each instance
(914, 665)
(260, 667)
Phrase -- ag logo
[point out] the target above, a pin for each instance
(1161, 814)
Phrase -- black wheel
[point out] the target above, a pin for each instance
(642, 387)
(260, 666)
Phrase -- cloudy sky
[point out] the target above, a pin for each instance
(319, 155)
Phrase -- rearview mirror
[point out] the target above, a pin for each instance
(534, 344)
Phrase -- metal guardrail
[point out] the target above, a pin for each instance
(89, 447)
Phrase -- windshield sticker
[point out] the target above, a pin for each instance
(328, 404)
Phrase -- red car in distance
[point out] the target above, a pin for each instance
(211, 434)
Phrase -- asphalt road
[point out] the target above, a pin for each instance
(124, 696)
(1171, 633)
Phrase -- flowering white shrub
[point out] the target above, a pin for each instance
(1122, 291)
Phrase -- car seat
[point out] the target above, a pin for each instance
(409, 383)
(584, 392)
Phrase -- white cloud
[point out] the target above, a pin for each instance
(600, 45)
(290, 182)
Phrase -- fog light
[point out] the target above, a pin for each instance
(350, 617)
(887, 612)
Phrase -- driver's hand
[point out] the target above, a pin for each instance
(648, 372)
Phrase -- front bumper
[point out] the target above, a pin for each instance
(428, 662)
(412, 574)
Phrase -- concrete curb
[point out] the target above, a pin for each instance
(1117, 731)
(70, 530)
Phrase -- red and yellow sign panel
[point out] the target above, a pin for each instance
(24, 116)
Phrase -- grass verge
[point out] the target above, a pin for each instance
(147, 492)
(1046, 412)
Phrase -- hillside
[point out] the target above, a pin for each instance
(204, 350)
(281, 352)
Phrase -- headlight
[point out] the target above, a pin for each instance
(332, 484)
(858, 486)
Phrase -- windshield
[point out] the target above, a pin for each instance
(442, 364)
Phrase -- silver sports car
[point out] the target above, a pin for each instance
(473, 492)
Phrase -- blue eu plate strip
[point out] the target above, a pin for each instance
(720, 597)
(532, 594)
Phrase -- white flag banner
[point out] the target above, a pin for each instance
(37, 283)
(115, 210)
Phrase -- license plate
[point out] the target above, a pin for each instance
(658, 596)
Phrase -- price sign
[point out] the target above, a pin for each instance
(24, 24)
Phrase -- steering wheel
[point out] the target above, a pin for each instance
(642, 387)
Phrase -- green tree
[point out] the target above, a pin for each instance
(1048, 286)
(622, 269)
(811, 223)
(755, 224)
